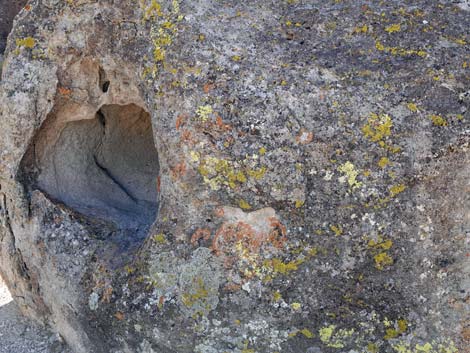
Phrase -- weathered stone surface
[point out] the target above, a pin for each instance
(308, 189)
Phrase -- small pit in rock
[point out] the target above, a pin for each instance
(104, 168)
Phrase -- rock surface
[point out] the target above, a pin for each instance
(307, 192)
(19, 336)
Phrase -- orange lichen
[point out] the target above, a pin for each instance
(180, 121)
(200, 233)
(208, 87)
(159, 184)
(119, 316)
(64, 91)
(244, 238)
(178, 170)
(304, 137)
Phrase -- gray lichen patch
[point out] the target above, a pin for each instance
(199, 282)
(193, 284)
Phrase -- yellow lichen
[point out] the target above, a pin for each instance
(382, 260)
(221, 172)
(379, 46)
(159, 238)
(326, 333)
(194, 156)
(27, 42)
(153, 10)
(277, 296)
(399, 51)
(335, 339)
(200, 293)
(396, 189)
(383, 162)
(257, 173)
(203, 112)
(351, 173)
(427, 347)
(385, 245)
(296, 306)
(393, 28)
(307, 333)
(390, 333)
(299, 203)
(378, 127)
(361, 29)
(438, 120)
(244, 205)
(278, 266)
(338, 230)
(413, 107)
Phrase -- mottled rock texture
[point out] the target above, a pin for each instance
(239, 176)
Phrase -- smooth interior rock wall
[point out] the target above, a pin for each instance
(104, 167)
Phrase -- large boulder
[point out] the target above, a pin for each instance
(228, 176)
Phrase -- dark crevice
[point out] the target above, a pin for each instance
(101, 118)
(103, 81)
(110, 176)
(105, 86)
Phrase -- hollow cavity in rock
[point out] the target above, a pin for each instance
(104, 167)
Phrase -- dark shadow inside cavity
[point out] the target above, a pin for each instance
(103, 80)
(104, 168)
